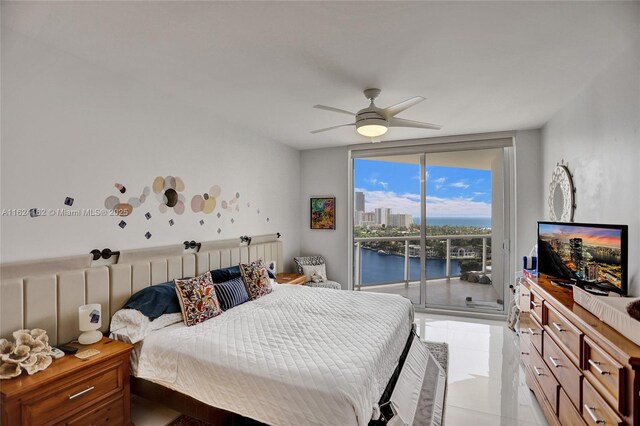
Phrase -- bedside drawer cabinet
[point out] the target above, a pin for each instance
(581, 370)
(71, 391)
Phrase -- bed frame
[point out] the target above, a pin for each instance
(47, 293)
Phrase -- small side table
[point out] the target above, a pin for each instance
(284, 278)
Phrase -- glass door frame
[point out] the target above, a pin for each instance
(504, 140)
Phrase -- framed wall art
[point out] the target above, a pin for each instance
(323, 213)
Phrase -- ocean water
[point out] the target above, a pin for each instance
(482, 222)
(378, 268)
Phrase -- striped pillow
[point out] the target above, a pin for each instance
(231, 293)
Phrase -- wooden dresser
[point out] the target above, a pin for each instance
(73, 392)
(582, 371)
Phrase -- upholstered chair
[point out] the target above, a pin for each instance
(314, 264)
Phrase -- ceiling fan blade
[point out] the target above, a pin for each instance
(333, 127)
(401, 122)
(328, 108)
(398, 108)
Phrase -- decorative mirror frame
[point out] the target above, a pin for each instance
(562, 179)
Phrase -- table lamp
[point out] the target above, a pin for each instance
(90, 320)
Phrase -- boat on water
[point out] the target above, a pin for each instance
(383, 252)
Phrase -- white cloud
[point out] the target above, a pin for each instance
(409, 203)
(459, 185)
(440, 181)
(385, 185)
(479, 193)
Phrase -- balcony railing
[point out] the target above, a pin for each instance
(407, 240)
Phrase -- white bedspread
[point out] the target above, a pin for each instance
(298, 356)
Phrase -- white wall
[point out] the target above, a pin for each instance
(325, 173)
(598, 134)
(74, 128)
(529, 205)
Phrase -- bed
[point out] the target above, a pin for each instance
(296, 356)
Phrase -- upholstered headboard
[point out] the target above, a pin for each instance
(47, 293)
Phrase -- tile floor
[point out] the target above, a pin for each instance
(486, 379)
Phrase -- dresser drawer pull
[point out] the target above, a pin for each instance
(535, 304)
(524, 353)
(558, 326)
(532, 332)
(593, 416)
(553, 361)
(538, 371)
(596, 366)
(75, 395)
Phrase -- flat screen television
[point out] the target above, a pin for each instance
(590, 255)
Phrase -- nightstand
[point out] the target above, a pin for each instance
(72, 391)
(283, 278)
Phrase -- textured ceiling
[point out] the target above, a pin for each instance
(483, 66)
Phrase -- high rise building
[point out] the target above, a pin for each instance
(575, 248)
(382, 215)
(400, 220)
(358, 202)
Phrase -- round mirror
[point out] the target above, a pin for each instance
(561, 192)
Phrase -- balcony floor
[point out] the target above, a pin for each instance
(452, 292)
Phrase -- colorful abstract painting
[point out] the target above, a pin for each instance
(323, 213)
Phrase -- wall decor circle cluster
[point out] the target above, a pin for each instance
(561, 199)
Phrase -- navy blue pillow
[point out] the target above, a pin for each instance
(226, 274)
(155, 300)
(231, 293)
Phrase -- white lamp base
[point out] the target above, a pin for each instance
(89, 337)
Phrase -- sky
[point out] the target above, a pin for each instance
(591, 236)
(451, 192)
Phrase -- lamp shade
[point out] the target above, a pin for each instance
(89, 322)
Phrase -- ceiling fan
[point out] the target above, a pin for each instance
(374, 122)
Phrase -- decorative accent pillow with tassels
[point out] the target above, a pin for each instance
(256, 279)
(198, 299)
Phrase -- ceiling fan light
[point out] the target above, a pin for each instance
(372, 130)
(372, 127)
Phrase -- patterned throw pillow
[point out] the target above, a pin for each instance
(198, 299)
(231, 293)
(256, 279)
(307, 260)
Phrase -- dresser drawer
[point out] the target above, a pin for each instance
(564, 370)
(546, 380)
(605, 371)
(535, 334)
(595, 411)
(525, 298)
(76, 392)
(535, 306)
(564, 332)
(567, 413)
(109, 413)
(524, 337)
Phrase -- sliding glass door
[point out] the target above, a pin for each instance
(430, 225)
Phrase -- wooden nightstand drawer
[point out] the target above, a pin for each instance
(285, 278)
(109, 413)
(73, 394)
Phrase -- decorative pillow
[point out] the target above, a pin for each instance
(225, 274)
(231, 293)
(155, 300)
(315, 273)
(198, 299)
(256, 279)
(307, 260)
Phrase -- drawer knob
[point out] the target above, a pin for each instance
(592, 414)
(75, 395)
(533, 333)
(553, 361)
(535, 304)
(596, 366)
(538, 371)
(558, 326)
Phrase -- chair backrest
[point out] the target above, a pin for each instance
(307, 261)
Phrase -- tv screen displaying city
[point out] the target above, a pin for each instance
(584, 254)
